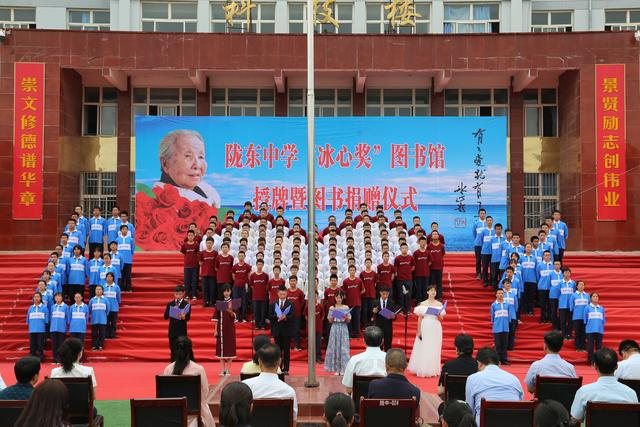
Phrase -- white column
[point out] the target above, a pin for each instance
(282, 17)
(359, 19)
(437, 17)
(519, 17)
(204, 17)
(51, 18)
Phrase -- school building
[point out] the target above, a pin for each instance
(550, 67)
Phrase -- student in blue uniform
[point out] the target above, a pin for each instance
(496, 255)
(97, 230)
(46, 299)
(59, 315)
(113, 225)
(37, 319)
(61, 264)
(75, 236)
(552, 236)
(112, 293)
(124, 220)
(544, 284)
(579, 301)
(562, 234)
(536, 250)
(545, 244)
(54, 277)
(116, 261)
(486, 235)
(501, 314)
(594, 321)
(95, 265)
(99, 311)
(106, 268)
(476, 229)
(78, 317)
(567, 288)
(506, 244)
(556, 277)
(49, 289)
(511, 296)
(78, 273)
(530, 277)
(126, 247)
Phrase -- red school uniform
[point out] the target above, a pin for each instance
(384, 275)
(297, 299)
(330, 297)
(319, 318)
(208, 260)
(191, 252)
(441, 238)
(353, 290)
(421, 259)
(223, 269)
(240, 274)
(369, 279)
(273, 286)
(436, 255)
(258, 283)
(404, 266)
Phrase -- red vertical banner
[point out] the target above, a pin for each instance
(28, 140)
(611, 143)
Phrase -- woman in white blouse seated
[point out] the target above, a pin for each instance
(252, 366)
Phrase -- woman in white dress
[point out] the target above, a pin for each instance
(425, 357)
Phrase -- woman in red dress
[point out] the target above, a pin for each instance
(225, 332)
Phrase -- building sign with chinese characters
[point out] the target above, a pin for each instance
(611, 190)
(440, 168)
(28, 133)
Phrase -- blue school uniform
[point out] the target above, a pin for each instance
(594, 319)
(512, 298)
(37, 319)
(62, 269)
(579, 301)
(99, 310)
(76, 237)
(51, 289)
(67, 252)
(97, 229)
(112, 293)
(109, 269)
(84, 223)
(554, 284)
(566, 291)
(116, 261)
(59, 315)
(113, 228)
(477, 228)
(516, 284)
(501, 315)
(94, 271)
(511, 249)
(552, 239)
(529, 272)
(496, 248)
(78, 270)
(544, 276)
(546, 246)
(78, 316)
(504, 249)
(486, 235)
(537, 252)
(131, 227)
(47, 300)
(56, 280)
(126, 248)
(562, 233)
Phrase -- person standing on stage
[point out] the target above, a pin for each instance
(476, 229)
(382, 322)
(177, 327)
(225, 333)
(281, 314)
(427, 347)
(337, 355)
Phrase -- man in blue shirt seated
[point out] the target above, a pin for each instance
(490, 382)
(606, 389)
(27, 371)
(551, 365)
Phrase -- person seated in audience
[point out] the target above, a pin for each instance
(456, 413)
(252, 366)
(395, 385)
(185, 365)
(339, 410)
(551, 365)
(267, 385)
(605, 389)
(464, 364)
(27, 372)
(236, 401)
(490, 382)
(48, 406)
(550, 413)
(629, 366)
(371, 362)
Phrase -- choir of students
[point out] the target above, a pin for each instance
(59, 302)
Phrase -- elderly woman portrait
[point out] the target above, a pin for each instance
(183, 165)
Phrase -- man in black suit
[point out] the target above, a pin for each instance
(281, 326)
(395, 385)
(382, 322)
(177, 327)
(464, 364)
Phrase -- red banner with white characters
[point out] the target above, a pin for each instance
(28, 144)
(611, 144)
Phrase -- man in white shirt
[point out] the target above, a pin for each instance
(629, 367)
(267, 385)
(370, 362)
(551, 365)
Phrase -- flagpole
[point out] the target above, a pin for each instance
(311, 212)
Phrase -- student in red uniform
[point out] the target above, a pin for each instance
(369, 279)
(275, 283)
(434, 227)
(190, 249)
(240, 274)
(386, 274)
(329, 300)
(405, 264)
(436, 257)
(207, 259)
(354, 289)
(258, 281)
(421, 273)
(296, 297)
(223, 265)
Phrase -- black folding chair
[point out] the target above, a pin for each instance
(506, 413)
(10, 411)
(188, 386)
(634, 384)
(388, 412)
(81, 409)
(272, 413)
(560, 389)
(600, 414)
(454, 387)
(171, 412)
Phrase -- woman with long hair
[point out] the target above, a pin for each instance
(185, 365)
(425, 357)
(48, 406)
(337, 355)
(457, 413)
(236, 400)
(339, 410)
(70, 353)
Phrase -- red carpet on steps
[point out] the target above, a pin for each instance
(142, 332)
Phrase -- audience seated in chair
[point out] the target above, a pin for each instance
(370, 363)
(252, 366)
(48, 406)
(27, 372)
(629, 366)
(551, 365)
(456, 413)
(339, 410)
(463, 365)
(236, 402)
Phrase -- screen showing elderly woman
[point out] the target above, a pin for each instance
(183, 165)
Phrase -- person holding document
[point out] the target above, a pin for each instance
(281, 320)
(384, 313)
(225, 318)
(337, 355)
(178, 314)
(425, 357)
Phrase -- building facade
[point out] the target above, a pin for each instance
(136, 61)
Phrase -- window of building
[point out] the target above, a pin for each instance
(263, 19)
(476, 102)
(88, 20)
(471, 18)
(342, 13)
(164, 101)
(100, 111)
(540, 112)
(18, 17)
(242, 102)
(551, 22)
(329, 102)
(99, 189)
(177, 17)
(540, 197)
(398, 102)
(618, 20)
(379, 20)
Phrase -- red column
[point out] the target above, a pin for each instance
(123, 177)
(516, 131)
